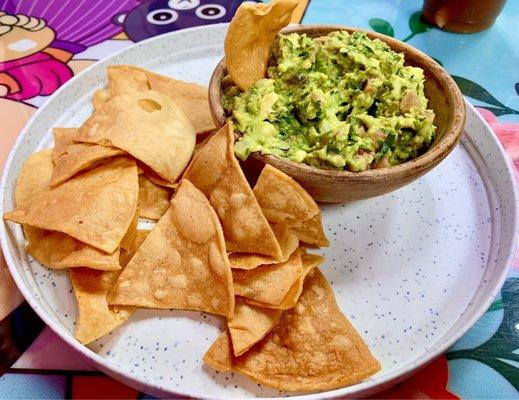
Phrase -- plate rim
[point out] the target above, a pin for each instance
(362, 389)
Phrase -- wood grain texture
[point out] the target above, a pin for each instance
(445, 99)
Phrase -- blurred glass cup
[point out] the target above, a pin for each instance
(463, 16)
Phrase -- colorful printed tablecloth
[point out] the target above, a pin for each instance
(43, 43)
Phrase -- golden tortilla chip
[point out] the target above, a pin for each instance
(95, 317)
(282, 199)
(216, 172)
(63, 138)
(70, 157)
(153, 199)
(310, 261)
(268, 283)
(34, 176)
(126, 79)
(287, 241)
(311, 231)
(100, 97)
(249, 39)
(157, 180)
(126, 255)
(131, 233)
(147, 125)
(191, 98)
(182, 263)
(78, 157)
(250, 324)
(55, 249)
(96, 207)
(313, 347)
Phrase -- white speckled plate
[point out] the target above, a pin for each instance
(413, 269)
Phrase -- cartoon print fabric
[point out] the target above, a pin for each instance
(39, 38)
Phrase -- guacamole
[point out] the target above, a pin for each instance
(342, 101)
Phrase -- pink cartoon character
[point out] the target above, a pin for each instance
(26, 69)
(39, 38)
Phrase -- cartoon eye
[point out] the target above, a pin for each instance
(210, 11)
(162, 16)
(183, 4)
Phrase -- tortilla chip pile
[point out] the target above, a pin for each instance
(218, 245)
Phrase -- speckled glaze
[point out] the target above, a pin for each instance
(413, 270)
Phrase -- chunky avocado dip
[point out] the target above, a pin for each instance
(342, 101)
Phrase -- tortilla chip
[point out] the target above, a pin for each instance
(96, 207)
(100, 97)
(249, 39)
(34, 176)
(219, 355)
(131, 233)
(216, 172)
(250, 324)
(311, 231)
(182, 263)
(63, 138)
(191, 98)
(70, 157)
(157, 180)
(55, 249)
(287, 241)
(126, 255)
(282, 199)
(78, 157)
(147, 125)
(268, 283)
(310, 261)
(95, 317)
(313, 347)
(153, 199)
(126, 79)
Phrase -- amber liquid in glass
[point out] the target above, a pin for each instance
(464, 16)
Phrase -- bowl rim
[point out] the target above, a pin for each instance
(431, 157)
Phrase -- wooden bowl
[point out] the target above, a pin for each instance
(335, 186)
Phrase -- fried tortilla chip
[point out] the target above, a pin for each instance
(189, 97)
(153, 199)
(147, 125)
(131, 233)
(96, 207)
(249, 39)
(282, 199)
(287, 241)
(63, 138)
(268, 283)
(216, 172)
(55, 249)
(313, 347)
(126, 79)
(311, 231)
(182, 263)
(100, 97)
(70, 157)
(34, 176)
(95, 317)
(157, 180)
(250, 324)
(126, 255)
(310, 261)
(78, 157)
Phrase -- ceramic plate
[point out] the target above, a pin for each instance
(413, 270)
